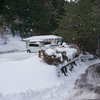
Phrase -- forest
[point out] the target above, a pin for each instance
(76, 21)
(35, 16)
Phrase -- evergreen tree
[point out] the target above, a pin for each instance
(42, 16)
(9, 10)
(33, 16)
(9, 13)
(23, 13)
(16, 15)
(78, 25)
(45, 16)
(60, 8)
(1, 6)
(96, 14)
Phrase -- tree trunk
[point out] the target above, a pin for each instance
(23, 31)
(13, 30)
(83, 46)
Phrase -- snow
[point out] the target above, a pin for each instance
(42, 37)
(25, 76)
(50, 51)
(69, 0)
(18, 76)
(36, 40)
(70, 52)
(15, 43)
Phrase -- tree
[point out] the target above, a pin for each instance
(15, 14)
(77, 26)
(9, 13)
(96, 10)
(60, 8)
(42, 16)
(9, 10)
(1, 6)
(34, 16)
(23, 13)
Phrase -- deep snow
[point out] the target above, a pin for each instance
(22, 75)
(25, 76)
(15, 43)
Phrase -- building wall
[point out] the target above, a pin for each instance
(52, 41)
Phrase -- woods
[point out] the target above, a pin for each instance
(34, 16)
(76, 21)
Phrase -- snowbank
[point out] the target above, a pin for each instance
(9, 43)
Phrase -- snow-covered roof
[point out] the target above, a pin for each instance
(42, 37)
(35, 40)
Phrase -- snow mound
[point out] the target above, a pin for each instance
(9, 43)
(70, 52)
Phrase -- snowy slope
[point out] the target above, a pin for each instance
(8, 43)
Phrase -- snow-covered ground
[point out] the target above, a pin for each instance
(25, 76)
(8, 43)
(20, 74)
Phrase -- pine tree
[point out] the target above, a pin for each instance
(60, 8)
(9, 10)
(16, 15)
(9, 13)
(45, 16)
(78, 25)
(23, 13)
(1, 6)
(33, 16)
(42, 16)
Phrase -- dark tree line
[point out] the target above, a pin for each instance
(34, 16)
(1, 5)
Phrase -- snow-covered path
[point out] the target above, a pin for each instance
(16, 55)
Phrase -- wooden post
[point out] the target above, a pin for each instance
(39, 54)
(43, 52)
